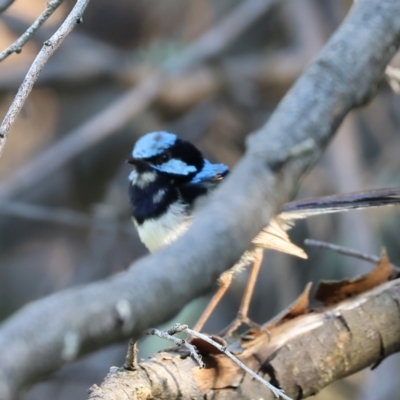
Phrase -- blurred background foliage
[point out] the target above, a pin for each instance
(216, 105)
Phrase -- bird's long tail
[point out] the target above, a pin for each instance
(341, 202)
(274, 236)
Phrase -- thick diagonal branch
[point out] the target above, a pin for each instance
(343, 77)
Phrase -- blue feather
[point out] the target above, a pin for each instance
(209, 172)
(175, 166)
(152, 144)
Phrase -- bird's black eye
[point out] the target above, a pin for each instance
(163, 158)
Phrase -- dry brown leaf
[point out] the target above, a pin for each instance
(298, 307)
(332, 292)
(221, 372)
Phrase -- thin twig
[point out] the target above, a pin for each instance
(135, 100)
(167, 335)
(345, 251)
(342, 250)
(5, 4)
(49, 47)
(16, 47)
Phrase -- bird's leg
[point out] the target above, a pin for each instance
(225, 281)
(242, 317)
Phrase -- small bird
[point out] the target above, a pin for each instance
(171, 174)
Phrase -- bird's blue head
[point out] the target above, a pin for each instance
(167, 170)
(165, 153)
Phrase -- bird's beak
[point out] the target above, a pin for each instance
(134, 161)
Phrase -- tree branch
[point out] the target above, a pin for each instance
(344, 76)
(301, 356)
(49, 47)
(345, 251)
(16, 47)
(136, 99)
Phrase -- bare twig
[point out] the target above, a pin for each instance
(135, 100)
(342, 250)
(168, 335)
(4, 4)
(345, 251)
(49, 47)
(16, 47)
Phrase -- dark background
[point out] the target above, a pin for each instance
(215, 105)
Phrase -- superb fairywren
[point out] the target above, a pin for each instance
(170, 174)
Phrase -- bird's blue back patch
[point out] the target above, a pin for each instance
(175, 166)
(209, 172)
(152, 144)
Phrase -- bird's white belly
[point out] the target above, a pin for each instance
(157, 233)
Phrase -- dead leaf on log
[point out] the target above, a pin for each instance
(220, 373)
(297, 308)
(332, 292)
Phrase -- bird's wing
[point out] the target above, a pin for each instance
(203, 182)
(210, 173)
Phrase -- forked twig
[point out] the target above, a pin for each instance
(16, 47)
(49, 47)
(168, 335)
(184, 328)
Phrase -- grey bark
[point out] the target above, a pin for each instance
(344, 76)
